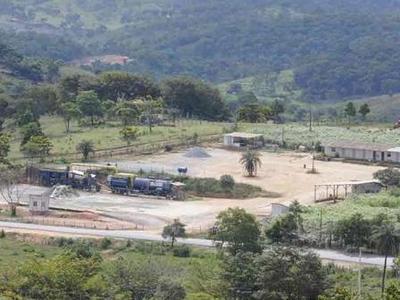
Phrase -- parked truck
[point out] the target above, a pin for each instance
(77, 179)
(128, 184)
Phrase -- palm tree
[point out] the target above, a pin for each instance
(387, 239)
(251, 161)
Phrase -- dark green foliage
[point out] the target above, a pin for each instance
(237, 229)
(85, 147)
(389, 177)
(240, 272)
(211, 187)
(254, 113)
(90, 105)
(194, 98)
(278, 273)
(2, 234)
(169, 290)
(283, 230)
(61, 277)
(119, 85)
(364, 110)
(287, 273)
(350, 110)
(251, 161)
(105, 243)
(29, 130)
(354, 231)
(174, 230)
(227, 182)
(181, 251)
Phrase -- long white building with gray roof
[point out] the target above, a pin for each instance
(363, 151)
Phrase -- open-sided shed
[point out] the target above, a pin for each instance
(340, 190)
(243, 139)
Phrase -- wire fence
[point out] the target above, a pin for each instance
(74, 223)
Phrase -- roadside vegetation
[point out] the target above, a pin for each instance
(242, 267)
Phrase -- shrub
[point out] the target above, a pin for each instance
(182, 251)
(389, 176)
(227, 182)
(105, 243)
(2, 234)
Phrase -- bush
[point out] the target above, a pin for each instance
(211, 187)
(2, 234)
(105, 243)
(388, 177)
(227, 182)
(182, 251)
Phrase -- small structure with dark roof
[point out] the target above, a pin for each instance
(363, 151)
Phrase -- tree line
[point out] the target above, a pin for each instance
(109, 97)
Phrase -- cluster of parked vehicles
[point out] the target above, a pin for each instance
(76, 179)
(85, 177)
(129, 184)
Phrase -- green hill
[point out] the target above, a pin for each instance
(335, 49)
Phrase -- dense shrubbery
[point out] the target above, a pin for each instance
(211, 187)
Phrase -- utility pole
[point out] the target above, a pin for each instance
(359, 274)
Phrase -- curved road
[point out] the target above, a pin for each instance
(330, 255)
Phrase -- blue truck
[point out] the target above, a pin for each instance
(128, 184)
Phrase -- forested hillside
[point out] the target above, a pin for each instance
(336, 49)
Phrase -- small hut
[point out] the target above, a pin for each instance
(39, 204)
(178, 192)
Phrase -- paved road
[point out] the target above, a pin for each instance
(141, 235)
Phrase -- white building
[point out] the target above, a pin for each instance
(243, 139)
(363, 151)
(39, 204)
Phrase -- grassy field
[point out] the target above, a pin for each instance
(295, 134)
(15, 251)
(107, 136)
(368, 205)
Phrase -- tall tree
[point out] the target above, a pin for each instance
(174, 230)
(116, 85)
(127, 111)
(4, 147)
(277, 108)
(238, 229)
(387, 238)
(90, 105)
(69, 111)
(10, 190)
(194, 98)
(37, 146)
(364, 110)
(85, 147)
(251, 161)
(350, 111)
(129, 134)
